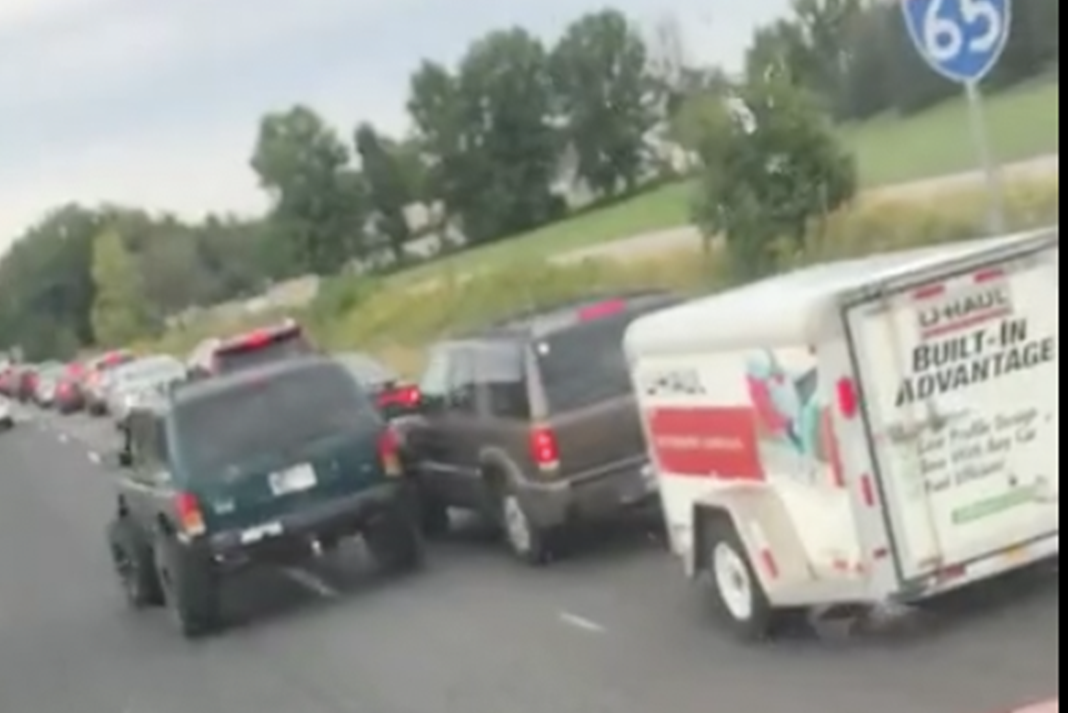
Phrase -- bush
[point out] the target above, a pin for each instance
(397, 323)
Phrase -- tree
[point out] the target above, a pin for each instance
(120, 313)
(319, 201)
(390, 190)
(771, 164)
(607, 93)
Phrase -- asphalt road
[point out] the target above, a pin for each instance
(614, 630)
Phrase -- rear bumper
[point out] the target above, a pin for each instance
(296, 536)
(591, 497)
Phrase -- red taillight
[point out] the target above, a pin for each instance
(256, 340)
(403, 396)
(847, 398)
(602, 309)
(389, 452)
(190, 518)
(543, 448)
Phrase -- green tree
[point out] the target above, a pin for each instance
(120, 313)
(389, 183)
(771, 163)
(607, 93)
(319, 201)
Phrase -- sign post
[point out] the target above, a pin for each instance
(962, 40)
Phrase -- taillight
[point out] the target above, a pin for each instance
(846, 392)
(389, 452)
(404, 396)
(190, 518)
(257, 340)
(543, 448)
(602, 309)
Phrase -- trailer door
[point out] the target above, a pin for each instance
(959, 382)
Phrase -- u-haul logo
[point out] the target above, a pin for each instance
(676, 382)
(964, 311)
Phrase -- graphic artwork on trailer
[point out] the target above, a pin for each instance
(793, 418)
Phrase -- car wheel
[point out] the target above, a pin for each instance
(132, 559)
(433, 516)
(394, 540)
(190, 588)
(526, 540)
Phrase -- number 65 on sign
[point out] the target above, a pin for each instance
(960, 39)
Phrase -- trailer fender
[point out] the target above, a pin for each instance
(765, 529)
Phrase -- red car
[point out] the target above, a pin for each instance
(69, 397)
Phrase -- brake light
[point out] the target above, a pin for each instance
(601, 309)
(389, 452)
(190, 518)
(256, 340)
(404, 396)
(846, 392)
(543, 448)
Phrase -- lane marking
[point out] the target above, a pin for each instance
(94, 457)
(581, 622)
(63, 438)
(311, 582)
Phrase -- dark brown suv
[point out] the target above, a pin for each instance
(533, 424)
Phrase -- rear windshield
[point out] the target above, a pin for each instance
(282, 348)
(585, 364)
(270, 418)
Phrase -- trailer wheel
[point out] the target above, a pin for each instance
(737, 594)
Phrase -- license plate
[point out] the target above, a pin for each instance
(293, 480)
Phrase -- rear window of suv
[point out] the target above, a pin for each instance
(585, 364)
(281, 347)
(268, 418)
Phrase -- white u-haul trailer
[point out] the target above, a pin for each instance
(875, 431)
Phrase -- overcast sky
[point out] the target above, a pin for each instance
(155, 102)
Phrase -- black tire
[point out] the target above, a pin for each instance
(433, 516)
(190, 588)
(722, 547)
(132, 558)
(394, 539)
(526, 540)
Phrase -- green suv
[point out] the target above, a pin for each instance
(264, 466)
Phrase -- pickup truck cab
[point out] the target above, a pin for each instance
(868, 432)
(214, 357)
(267, 466)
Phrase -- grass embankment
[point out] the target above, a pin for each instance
(1022, 123)
(397, 322)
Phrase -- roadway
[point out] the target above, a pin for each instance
(614, 630)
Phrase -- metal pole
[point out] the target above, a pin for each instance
(991, 171)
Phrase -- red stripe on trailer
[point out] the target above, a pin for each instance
(1052, 705)
(989, 275)
(929, 292)
(706, 441)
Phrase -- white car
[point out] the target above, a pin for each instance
(140, 380)
(7, 417)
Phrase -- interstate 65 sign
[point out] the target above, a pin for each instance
(960, 39)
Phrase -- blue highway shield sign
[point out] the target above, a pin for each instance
(960, 39)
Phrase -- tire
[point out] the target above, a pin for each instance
(394, 540)
(433, 516)
(190, 588)
(526, 540)
(134, 566)
(737, 595)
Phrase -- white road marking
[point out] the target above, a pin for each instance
(311, 582)
(581, 622)
(94, 457)
(63, 438)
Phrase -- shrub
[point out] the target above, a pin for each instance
(397, 322)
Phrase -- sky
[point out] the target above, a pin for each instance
(155, 102)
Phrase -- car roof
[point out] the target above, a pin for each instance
(210, 388)
(542, 321)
